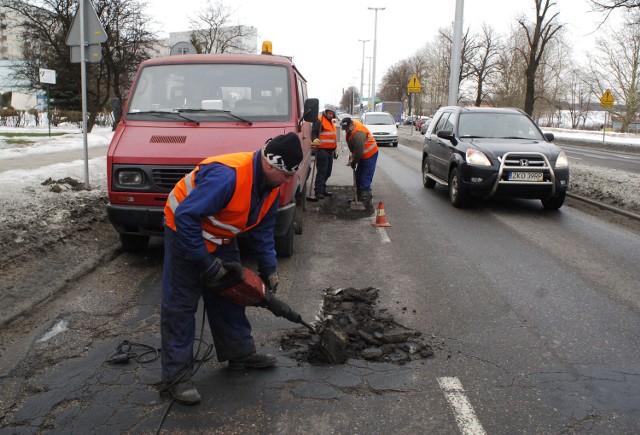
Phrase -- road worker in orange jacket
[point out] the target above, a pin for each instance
(325, 141)
(222, 197)
(364, 156)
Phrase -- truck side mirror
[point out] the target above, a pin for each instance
(310, 114)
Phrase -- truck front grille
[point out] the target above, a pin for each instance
(167, 177)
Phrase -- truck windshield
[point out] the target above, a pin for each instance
(209, 92)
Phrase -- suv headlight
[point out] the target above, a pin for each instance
(562, 161)
(478, 158)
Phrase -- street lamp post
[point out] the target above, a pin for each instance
(364, 41)
(456, 53)
(369, 58)
(375, 43)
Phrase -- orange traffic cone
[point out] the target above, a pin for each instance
(381, 217)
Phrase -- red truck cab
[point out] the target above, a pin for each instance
(184, 108)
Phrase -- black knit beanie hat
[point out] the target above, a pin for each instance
(284, 152)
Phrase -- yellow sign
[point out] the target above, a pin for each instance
(414, 84)
(607, 98)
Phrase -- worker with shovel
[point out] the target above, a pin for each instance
(324, 136)
(363, 159)
(222, 197)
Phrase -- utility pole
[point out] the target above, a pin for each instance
(369, 57)
(456, 53)
(375, 43)
(364, 41)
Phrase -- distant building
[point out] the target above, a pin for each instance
(250, 41)
(9, 35)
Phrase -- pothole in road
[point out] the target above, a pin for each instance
(351, 326)
(339, 204)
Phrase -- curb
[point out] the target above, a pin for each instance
(604, 206)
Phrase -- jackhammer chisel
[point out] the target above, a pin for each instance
(250, 291)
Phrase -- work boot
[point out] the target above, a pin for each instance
(253, 361)
(185, 393)
(327, 194)
(367, 198)
(319, 196)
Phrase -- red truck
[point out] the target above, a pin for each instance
(184, 108)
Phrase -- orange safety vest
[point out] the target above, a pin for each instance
(328, 134)
(230, 221)
(370, 146)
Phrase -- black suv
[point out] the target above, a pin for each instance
(487, 152)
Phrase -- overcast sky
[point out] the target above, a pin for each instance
(322, 37)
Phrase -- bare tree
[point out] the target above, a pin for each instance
(394, 82)
(45, 25)
(213, 33)
(616, 66)
(348, 99)
(468, 52)
(507, 85)
(538, 36)
(609, 6)
(484, 62)
(579, 97)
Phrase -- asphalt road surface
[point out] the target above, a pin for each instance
(533, 316)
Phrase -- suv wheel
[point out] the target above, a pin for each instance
(426, 181)
(555, 202)
(457, 192)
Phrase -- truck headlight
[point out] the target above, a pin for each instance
(475, 157)
(130, 178)
(562, 161)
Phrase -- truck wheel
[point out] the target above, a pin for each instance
(298, 218)
(134, 243)
(284, 243)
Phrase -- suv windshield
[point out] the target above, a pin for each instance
(497, 125)
(379, 119)
(212, 92)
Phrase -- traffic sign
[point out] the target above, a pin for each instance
(47, 76)
(93, 31)
(414, 84)
(607, 98)
(92, 53)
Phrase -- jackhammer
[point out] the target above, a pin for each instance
(247, 289)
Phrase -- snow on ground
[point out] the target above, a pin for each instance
(16, 183)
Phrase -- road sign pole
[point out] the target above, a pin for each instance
(48, 110)
(604, 126)
(83, 74)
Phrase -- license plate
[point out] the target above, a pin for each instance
(525, 176)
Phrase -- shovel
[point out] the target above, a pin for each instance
(355, 204)
(313, 173)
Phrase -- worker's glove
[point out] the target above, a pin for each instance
(213, 271)
(228, 275)
(335, 154)
(272, 282)
(316, 142)
(353, 165)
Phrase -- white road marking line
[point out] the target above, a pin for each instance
(384, 238)
(463, 411)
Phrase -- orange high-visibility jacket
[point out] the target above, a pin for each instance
(230, 221)
(327, 134)
(370, 147)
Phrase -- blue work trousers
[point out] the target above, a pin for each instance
(364, 173)
(181, 293)
(324, 166)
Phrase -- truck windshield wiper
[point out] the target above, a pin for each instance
(226, 112)
(162, 113)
